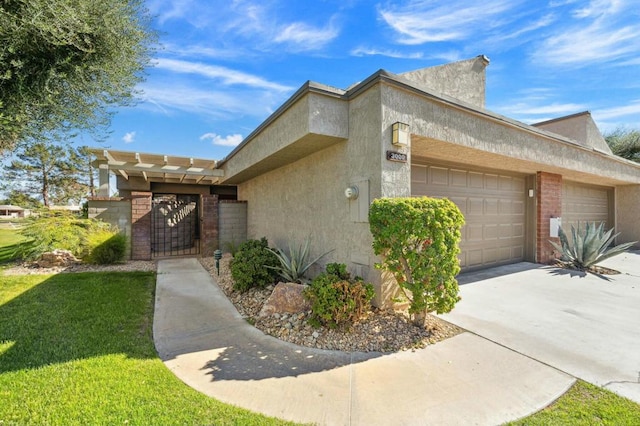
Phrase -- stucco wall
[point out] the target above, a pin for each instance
(627, 207)
(579, 127)
(396, 176)
(306, 198)
(232, 223)
(115, 212)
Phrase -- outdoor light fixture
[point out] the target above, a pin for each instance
(400, 134)
(217, 255)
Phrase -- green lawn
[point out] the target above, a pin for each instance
(586, 404)
(9, 241)
(78, 349)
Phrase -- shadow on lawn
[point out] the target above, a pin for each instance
(8, 253)
(76, 316)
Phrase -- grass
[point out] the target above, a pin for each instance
(586, 404)
(10, 239)
(77, 349)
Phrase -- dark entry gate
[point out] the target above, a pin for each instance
(175, 227)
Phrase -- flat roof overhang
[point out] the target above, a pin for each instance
(426, 149)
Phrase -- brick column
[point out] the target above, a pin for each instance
(140, 225)
(549, 204)
(209, 225)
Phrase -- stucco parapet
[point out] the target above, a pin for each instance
(394, 80)
(382, 77)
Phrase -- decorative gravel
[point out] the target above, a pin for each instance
(130, 266)
(380, 331)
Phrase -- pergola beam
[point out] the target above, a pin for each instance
(155, 167)
(123, 166)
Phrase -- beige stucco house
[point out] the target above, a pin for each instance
(9, 211)
(425, 132)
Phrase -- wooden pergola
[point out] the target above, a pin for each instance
(153, 168)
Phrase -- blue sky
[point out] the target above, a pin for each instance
(225, 66)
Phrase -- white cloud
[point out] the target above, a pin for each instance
(129, 137)
(552, 109)
(543, 22)
(602, 31)
(303, 37)
(596, 8)
(420, 22)
(617, 112)
(224, 104)
(365, 51)
(594, 43)
(199, 14)
(200, 51)
(229, 140)
(226, 75)
(448, 56)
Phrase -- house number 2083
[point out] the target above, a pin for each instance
(396, 156)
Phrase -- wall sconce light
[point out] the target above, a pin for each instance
(400, 134)
(351, 193)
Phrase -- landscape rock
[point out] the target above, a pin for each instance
(286, 298)
(57, 258)
(379, 331)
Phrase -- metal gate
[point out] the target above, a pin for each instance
(175, 227)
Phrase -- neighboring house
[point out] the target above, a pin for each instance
(9, 211)
(425, 132)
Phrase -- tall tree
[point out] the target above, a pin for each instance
(64, 63)
(18, 198)
(625, 143)
(48, 170)
(88, 172)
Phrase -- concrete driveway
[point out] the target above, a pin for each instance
(585, 325)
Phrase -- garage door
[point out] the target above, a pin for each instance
(493, 205)
(585, 203)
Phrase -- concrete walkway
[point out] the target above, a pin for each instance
(463, 380)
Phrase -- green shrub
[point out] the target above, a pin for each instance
(250, 265)
(336, 299)
(294, 266)
(107, 248)
(338, 270)
(588, 247)
(58, 230)
(418, 240)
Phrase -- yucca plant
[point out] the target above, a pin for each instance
(294, 265)
(588, 247)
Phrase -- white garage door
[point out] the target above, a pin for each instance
(585, 203)
(493, 205)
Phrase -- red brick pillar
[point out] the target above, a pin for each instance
(549, 204)
(140, 225)
(209, 225)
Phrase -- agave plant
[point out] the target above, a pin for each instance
(588, 247)
(294, 265)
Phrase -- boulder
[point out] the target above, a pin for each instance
(286, 298)
(56, 258)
